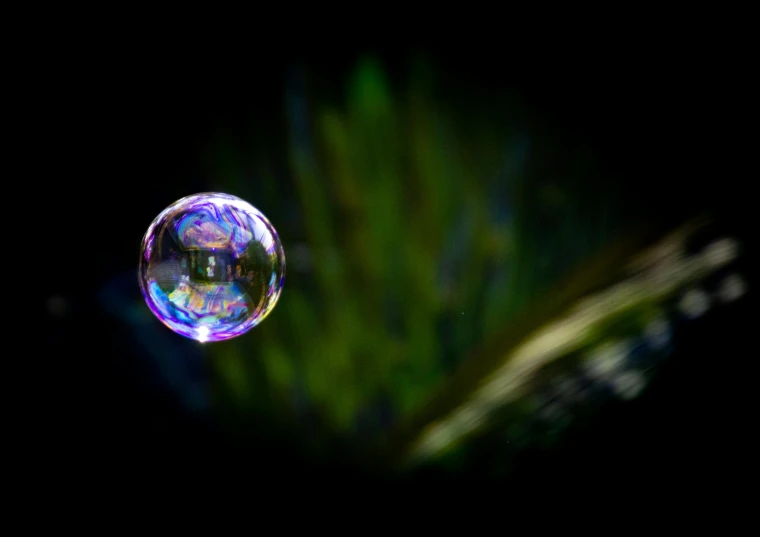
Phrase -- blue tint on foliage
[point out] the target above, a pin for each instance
(176, 363)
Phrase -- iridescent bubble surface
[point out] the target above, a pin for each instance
(211, 266)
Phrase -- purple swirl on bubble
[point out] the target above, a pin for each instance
(211, 267)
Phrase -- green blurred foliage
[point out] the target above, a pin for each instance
(432, 216)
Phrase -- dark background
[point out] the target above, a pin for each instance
(130, 129)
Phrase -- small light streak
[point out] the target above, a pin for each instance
(629, 384)
(607, 359)
(721, 252)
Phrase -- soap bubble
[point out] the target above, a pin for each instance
(211, 267)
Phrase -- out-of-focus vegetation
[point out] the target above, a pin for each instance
(419, 229)
(457, 269)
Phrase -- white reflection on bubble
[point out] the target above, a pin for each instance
(203, 332)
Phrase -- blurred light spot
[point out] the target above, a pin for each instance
(607, 359)
(437, 438)
(58, 306)
(721, 252)
(694, 303)
(629, 384)
(657, 333)
(732, 288)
